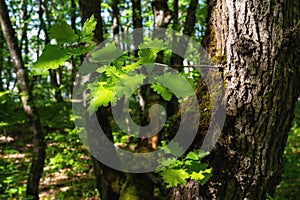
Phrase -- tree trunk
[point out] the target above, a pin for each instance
(257, 45)
(137, 21)
(116, 21)
(39, 146)
(189, 27)
(162, 17)
(73, 58)
(109, 181)
(89, 8)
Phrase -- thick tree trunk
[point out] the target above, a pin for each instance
(260, 45)
(39, 146)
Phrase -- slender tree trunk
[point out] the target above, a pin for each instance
(116, 21)
(25, 15)
(162, 17)
(73, 59)
(137, 21)
(39, 146)
(189, 27)
(259, 42)
(175, 16)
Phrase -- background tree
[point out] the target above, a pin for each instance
(38, 155)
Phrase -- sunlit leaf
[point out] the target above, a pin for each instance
(87, 29)
(173, 177)
(101, 97)
(52, 57)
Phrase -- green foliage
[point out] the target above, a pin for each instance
(120, 77)
(173, 177)
(162, 91)
(172, 80)
(101, 96)
(289, 186)
(10, 176)
(176, 172)
(52, 57)
(87, 33)
(68, 44)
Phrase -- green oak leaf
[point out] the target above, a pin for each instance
(195, 166)
(101, 97)
(52, 57)
(146, 56)
(162, 91)
(172, 81)
(87, 33)
(173, 177)
(155, 45)
(192, 155)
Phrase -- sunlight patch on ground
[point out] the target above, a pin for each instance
(4, 139)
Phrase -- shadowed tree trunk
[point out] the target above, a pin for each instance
(256, 43)
(39, 146)
(89, 8)
(137, 21)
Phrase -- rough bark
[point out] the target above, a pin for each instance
(39, 146)
(256, 44)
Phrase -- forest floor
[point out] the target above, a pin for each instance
(68, 172)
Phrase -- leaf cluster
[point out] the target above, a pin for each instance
(175, 172)
(64, 44)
